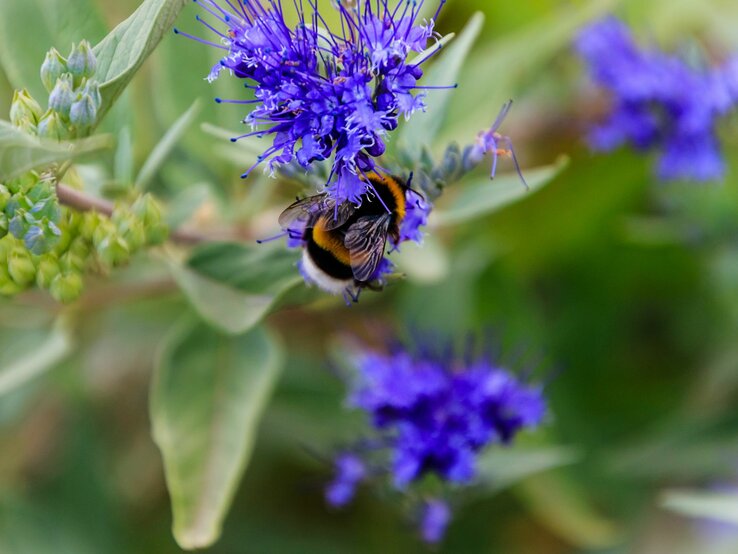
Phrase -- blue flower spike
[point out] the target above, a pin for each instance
(431, 414)
(320, 92)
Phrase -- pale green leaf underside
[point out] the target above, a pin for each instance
(485, 196)
(232, 286)
(703, 504)
(20, 152)
(207, 396)
(503, 467)
(121, 53)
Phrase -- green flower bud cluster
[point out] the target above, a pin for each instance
(51, 246)
(86, 242)
(30, 212)
(74, 97)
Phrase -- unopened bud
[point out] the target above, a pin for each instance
(62, 95)
(52, 68)
(22, 183)
(92, 88)
(83, 112)
(66, 287)
(82, 62)
(24, 109)
(51, 126)
(150, 212)
(20, 266)
(48, 269)
(130, 227)
(4, 196)
(8, 287)
(42, 237)
(3, 225)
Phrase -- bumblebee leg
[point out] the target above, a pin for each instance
(351, 294)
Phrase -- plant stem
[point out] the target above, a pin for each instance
(78, 200)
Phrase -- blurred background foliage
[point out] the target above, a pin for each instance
(620, 291)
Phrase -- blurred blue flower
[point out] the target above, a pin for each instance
(434, 520)
(350, 471)
(659, 102)
(433, 414)
(320, 92)
(439, 413)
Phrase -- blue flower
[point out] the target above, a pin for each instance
(659, 102)
(440, 413)
(432, 413)
(489, 141)
(323, 93)
(350, 471)
(434, 519)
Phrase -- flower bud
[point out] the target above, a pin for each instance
(62, 95)
(149, 211)
(42, 237)
(131, 228)
(66, 287)
(4, 197)
(3, 225)
(52, 68)
(48, 269)
(70, 262)
(83, 112)
(92, 88)
(51, 126)
(90, 221)
(8, 287)
(20, 266)
(82, 62)
(113, 251)
(24, 109)
(22, 183)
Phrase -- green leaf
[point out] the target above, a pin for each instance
(123, 160)
(423, 127)
(27, 354)
(121, 53)
(29, 28)
(485, 196)
(165, 146)
(702, 504)
(207, 396)
(233, 286)
(502, 468)
(565, 508)
(20, 152)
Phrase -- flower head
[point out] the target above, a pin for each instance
(441, 412)
(659, 102)
(323, 93)
(432, 414)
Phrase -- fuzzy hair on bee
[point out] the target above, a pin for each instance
(344, 244)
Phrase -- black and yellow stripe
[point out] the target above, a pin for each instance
(326, 246)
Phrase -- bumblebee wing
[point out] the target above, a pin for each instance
(365, 241)
(308, 210)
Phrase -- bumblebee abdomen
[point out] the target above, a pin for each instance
(328, 253)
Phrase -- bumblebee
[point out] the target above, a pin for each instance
(343, 244)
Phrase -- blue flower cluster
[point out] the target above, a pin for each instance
(659, 102)
(323, 94)
(434, 414)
